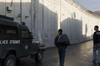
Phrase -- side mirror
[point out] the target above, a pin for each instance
(32, 37)
(31, 34)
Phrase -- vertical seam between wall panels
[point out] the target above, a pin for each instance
(21, 11)
(60, 12)
(31, 15)
(43, 20)
(5, 7)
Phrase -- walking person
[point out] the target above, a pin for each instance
(61, 41)
(96, 41)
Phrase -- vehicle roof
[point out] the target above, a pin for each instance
(11, 23)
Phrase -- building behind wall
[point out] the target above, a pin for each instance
(45, 17)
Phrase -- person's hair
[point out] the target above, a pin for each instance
(97, 27)
(60, 30)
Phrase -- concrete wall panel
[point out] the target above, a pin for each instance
(45, 17)
(2, 7)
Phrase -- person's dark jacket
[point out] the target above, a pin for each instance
(67, 40)
(96, 37)
(59, 44)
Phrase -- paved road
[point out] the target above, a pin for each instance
(76, 55)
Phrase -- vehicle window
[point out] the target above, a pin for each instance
(25, 34)
(8, 32)
(11, 31)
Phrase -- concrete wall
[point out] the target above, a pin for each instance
(45, 17)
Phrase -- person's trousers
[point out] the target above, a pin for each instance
(62, 55)
(94, 53)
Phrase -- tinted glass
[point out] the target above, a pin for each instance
(8, 32)
(25, 34)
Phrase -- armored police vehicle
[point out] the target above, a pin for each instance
(16, 42)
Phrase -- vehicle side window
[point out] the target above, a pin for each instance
(25, 34)
(8, 32)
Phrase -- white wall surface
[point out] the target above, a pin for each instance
(45, 17)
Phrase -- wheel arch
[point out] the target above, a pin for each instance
(7, 52)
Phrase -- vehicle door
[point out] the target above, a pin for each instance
(26, 42)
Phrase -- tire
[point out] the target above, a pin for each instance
(10, 60)
(39, 56)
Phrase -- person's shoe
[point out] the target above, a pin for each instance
(94, 61)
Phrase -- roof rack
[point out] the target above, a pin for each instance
(6, 17)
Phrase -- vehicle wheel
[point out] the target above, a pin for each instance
(39, 56)
(10, 60)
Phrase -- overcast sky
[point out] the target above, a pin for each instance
(93, 5)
